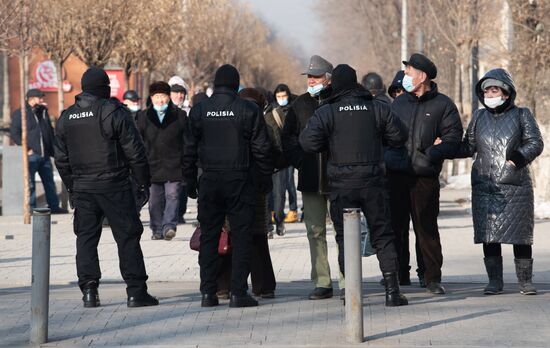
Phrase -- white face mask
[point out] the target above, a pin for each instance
(493, 103)
(134, 108)
(282, 101)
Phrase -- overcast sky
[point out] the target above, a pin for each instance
(295, 22)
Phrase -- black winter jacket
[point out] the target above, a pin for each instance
(226, 133)
(163, 142)
(97, 144)
(40, 133)
(311, 167)
(353, 127)
(426, 118)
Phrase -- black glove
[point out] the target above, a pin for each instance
(142, 195)
(192, 190)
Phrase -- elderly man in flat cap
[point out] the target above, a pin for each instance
(312, 173)
(413, 172)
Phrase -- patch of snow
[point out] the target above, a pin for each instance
(459, 182)
(542, 210)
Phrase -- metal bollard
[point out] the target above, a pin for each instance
(41, 223)
(354, 275)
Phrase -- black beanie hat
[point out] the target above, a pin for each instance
(227, 76)
(96, 82)
(344, 78)
(159, 87)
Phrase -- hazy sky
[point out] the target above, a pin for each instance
(294, 21)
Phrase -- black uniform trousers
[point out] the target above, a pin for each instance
(120, 209)
(374, 204)
(416, 197)
(221, 194)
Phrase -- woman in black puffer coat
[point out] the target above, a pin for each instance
(504, 139)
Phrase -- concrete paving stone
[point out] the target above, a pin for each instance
(464, 317)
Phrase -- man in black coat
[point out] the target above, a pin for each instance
(161, 126)
(40, 139)
(413, 172)
(227, 135)
(312, 181)
(352, 126)
(97, 147)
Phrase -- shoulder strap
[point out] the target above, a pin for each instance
(278, 118)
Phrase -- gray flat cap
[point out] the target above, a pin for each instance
(318, 66)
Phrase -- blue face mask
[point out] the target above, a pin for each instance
(315, 90)
(408, 83)
(160, 108)
(282, 102)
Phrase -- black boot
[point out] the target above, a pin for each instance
(524, 271)
(242, 301)
(280, 230)
(90, 295)
(143, 300)
(493, 265)
(393, 295)
(211, 300)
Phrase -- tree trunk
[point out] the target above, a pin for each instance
(6, 90)
(26, 191)
(60, 92)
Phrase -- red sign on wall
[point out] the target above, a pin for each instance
(44, 77)
(116, 76)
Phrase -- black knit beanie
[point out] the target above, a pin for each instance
(159, 87)
(96, 82)
(227, 76)
(344, 78)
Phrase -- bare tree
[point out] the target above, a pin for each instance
(8, 16)
(244, 41)
(530, 52)
(100, 29)
(54, 35)
(24, 31)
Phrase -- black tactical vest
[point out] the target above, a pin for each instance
(355, 139)
(225, 137)
(93, 150)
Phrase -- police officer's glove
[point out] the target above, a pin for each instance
(142, 195)
(265, 184)
(192, 190)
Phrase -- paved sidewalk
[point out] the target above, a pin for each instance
(462, 318)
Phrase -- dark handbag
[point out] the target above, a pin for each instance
(224, 244)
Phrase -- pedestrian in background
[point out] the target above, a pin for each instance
(162, 126)
(40, 143)
(375, 85)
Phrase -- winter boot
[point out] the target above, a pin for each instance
(393, 295)
(524, 271)
(493, 265)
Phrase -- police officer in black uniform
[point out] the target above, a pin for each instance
(97, 148)
(227, 135)
(353, 127)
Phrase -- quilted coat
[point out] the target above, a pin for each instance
(502, 194)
